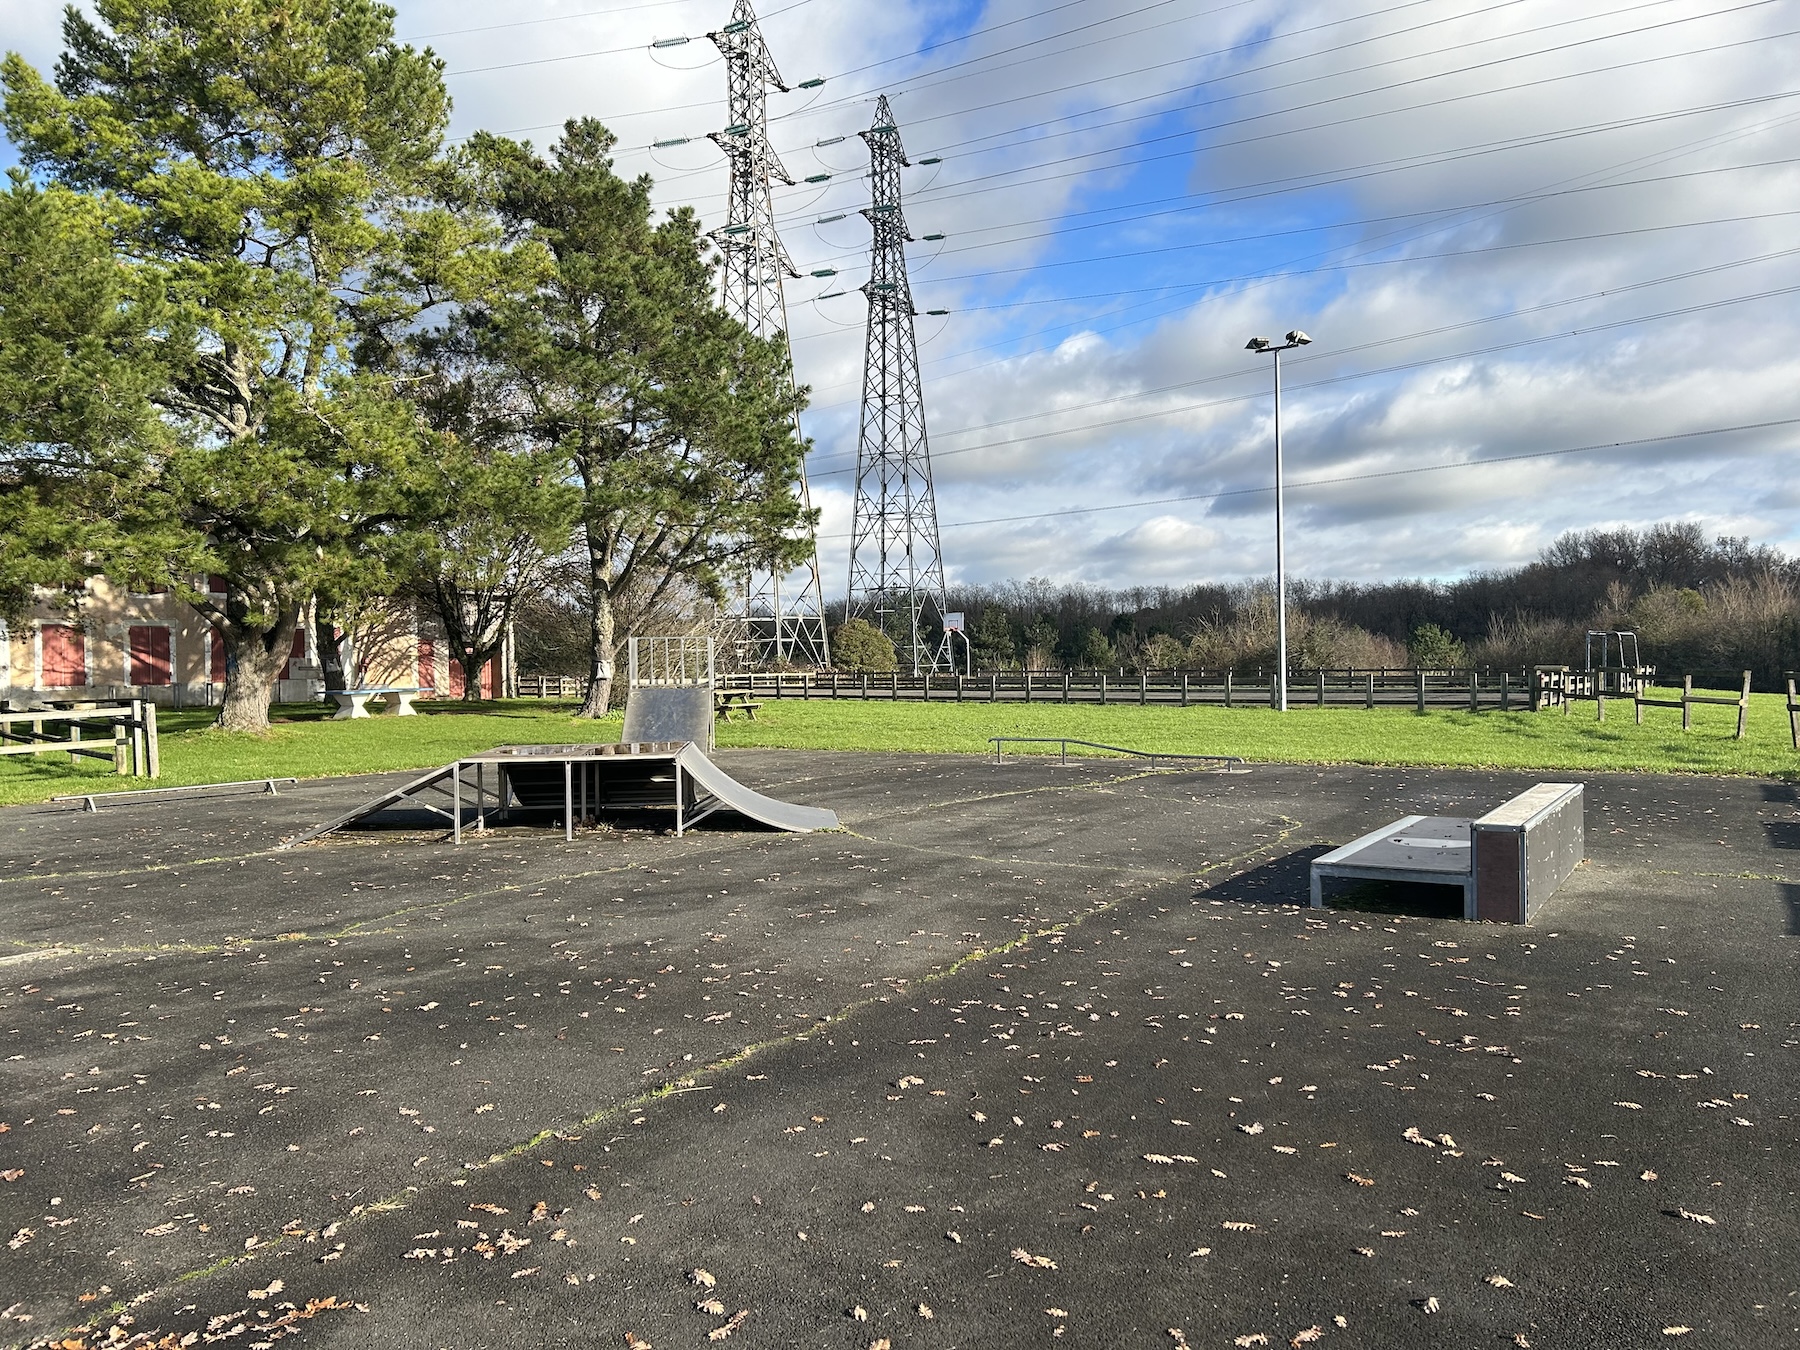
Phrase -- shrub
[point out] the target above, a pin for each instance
(862, 649)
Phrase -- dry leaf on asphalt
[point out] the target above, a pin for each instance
(737, 1320)
(1307, 1337)
(1025, 1258)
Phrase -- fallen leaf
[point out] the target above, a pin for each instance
(1236, 1226)
(703, 1278)
(1254, 1338)
(738, 1319)
(1500, 1282)
(1254, 1127)
(635, 1342)
(859, 1313)
(1706, 1219)
(1360, 1181)
(1025, 1258)
(711, 1306)
(924, 1310)
(274, 1287)
(1646, 1176)
(1428, 1305)
(1676, 1331)
(1307, 1337)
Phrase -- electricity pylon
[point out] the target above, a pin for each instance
(780, 621)
(896, 566)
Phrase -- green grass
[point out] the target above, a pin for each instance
(305, 743)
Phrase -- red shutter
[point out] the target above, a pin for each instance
(215, 584)
(427, 678)
(489, 673)
(215, 659)
(150, 654)
(458, 682)
(295, 653)
(65, 656)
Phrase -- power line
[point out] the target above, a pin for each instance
(1524, 200)
(1304, 484)
(1364, 374)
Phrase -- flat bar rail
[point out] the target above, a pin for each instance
(1066, 741)
(94, 798)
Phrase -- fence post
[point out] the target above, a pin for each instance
(1065, 687)
(993, 687)
(1599, 703)
(1743, 706)
(1369, 692)
(1184, 689)
(1228, 687)
(1103, 689)
(1028, 685)
(1421, 692)
(1321, 686)
(1506, 693)
(894, 687)
(1687, 692)
(1143, 687)
(805, 684)
(150, 739)
(865, 684)
(959, 688)
(1474, 692)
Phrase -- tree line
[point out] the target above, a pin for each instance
(260, 326)
(1696, 604)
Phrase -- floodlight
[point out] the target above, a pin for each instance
(1257, 344)
(1298, 338)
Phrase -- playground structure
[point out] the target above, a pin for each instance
(1507, 863)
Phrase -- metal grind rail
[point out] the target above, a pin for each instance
(1066, 741)
(93, 799)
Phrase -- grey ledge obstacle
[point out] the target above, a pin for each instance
(1506, 863)
(575, 782)
(1065, 742)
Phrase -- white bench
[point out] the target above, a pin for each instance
(355, 702)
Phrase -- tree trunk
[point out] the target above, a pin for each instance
(472, 664)
(331, 650)
(253, 659)
(602, 639)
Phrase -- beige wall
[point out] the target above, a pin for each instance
(387, 642)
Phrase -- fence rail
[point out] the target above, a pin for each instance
(550, 686)
(1418, 689)
(126, 734)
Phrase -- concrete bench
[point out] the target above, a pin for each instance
(1506, 863)
(355, 702)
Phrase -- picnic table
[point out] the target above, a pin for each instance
(728, 701)
(355, 702)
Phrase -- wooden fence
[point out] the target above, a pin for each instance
(1689, 698)
(126, 734)
(550, 686)
(1418, 689)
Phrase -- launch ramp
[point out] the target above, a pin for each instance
(571, 783)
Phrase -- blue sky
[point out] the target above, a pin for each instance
(1512, 226)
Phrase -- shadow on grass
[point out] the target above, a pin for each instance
(1287, 880)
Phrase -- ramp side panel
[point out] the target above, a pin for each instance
(670, 713)
(743, 800)
(380, 803)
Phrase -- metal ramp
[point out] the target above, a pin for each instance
(581, 782)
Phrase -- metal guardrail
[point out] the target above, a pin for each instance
(94, 798)
(1066, 741)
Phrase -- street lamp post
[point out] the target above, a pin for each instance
(1261, 344)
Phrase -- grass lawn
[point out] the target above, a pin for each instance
(305, 743)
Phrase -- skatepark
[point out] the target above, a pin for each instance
(1017, 1054)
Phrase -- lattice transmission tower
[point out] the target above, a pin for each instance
(896, 565)
(782, 617)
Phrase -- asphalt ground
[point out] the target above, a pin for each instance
(1025, 1055)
